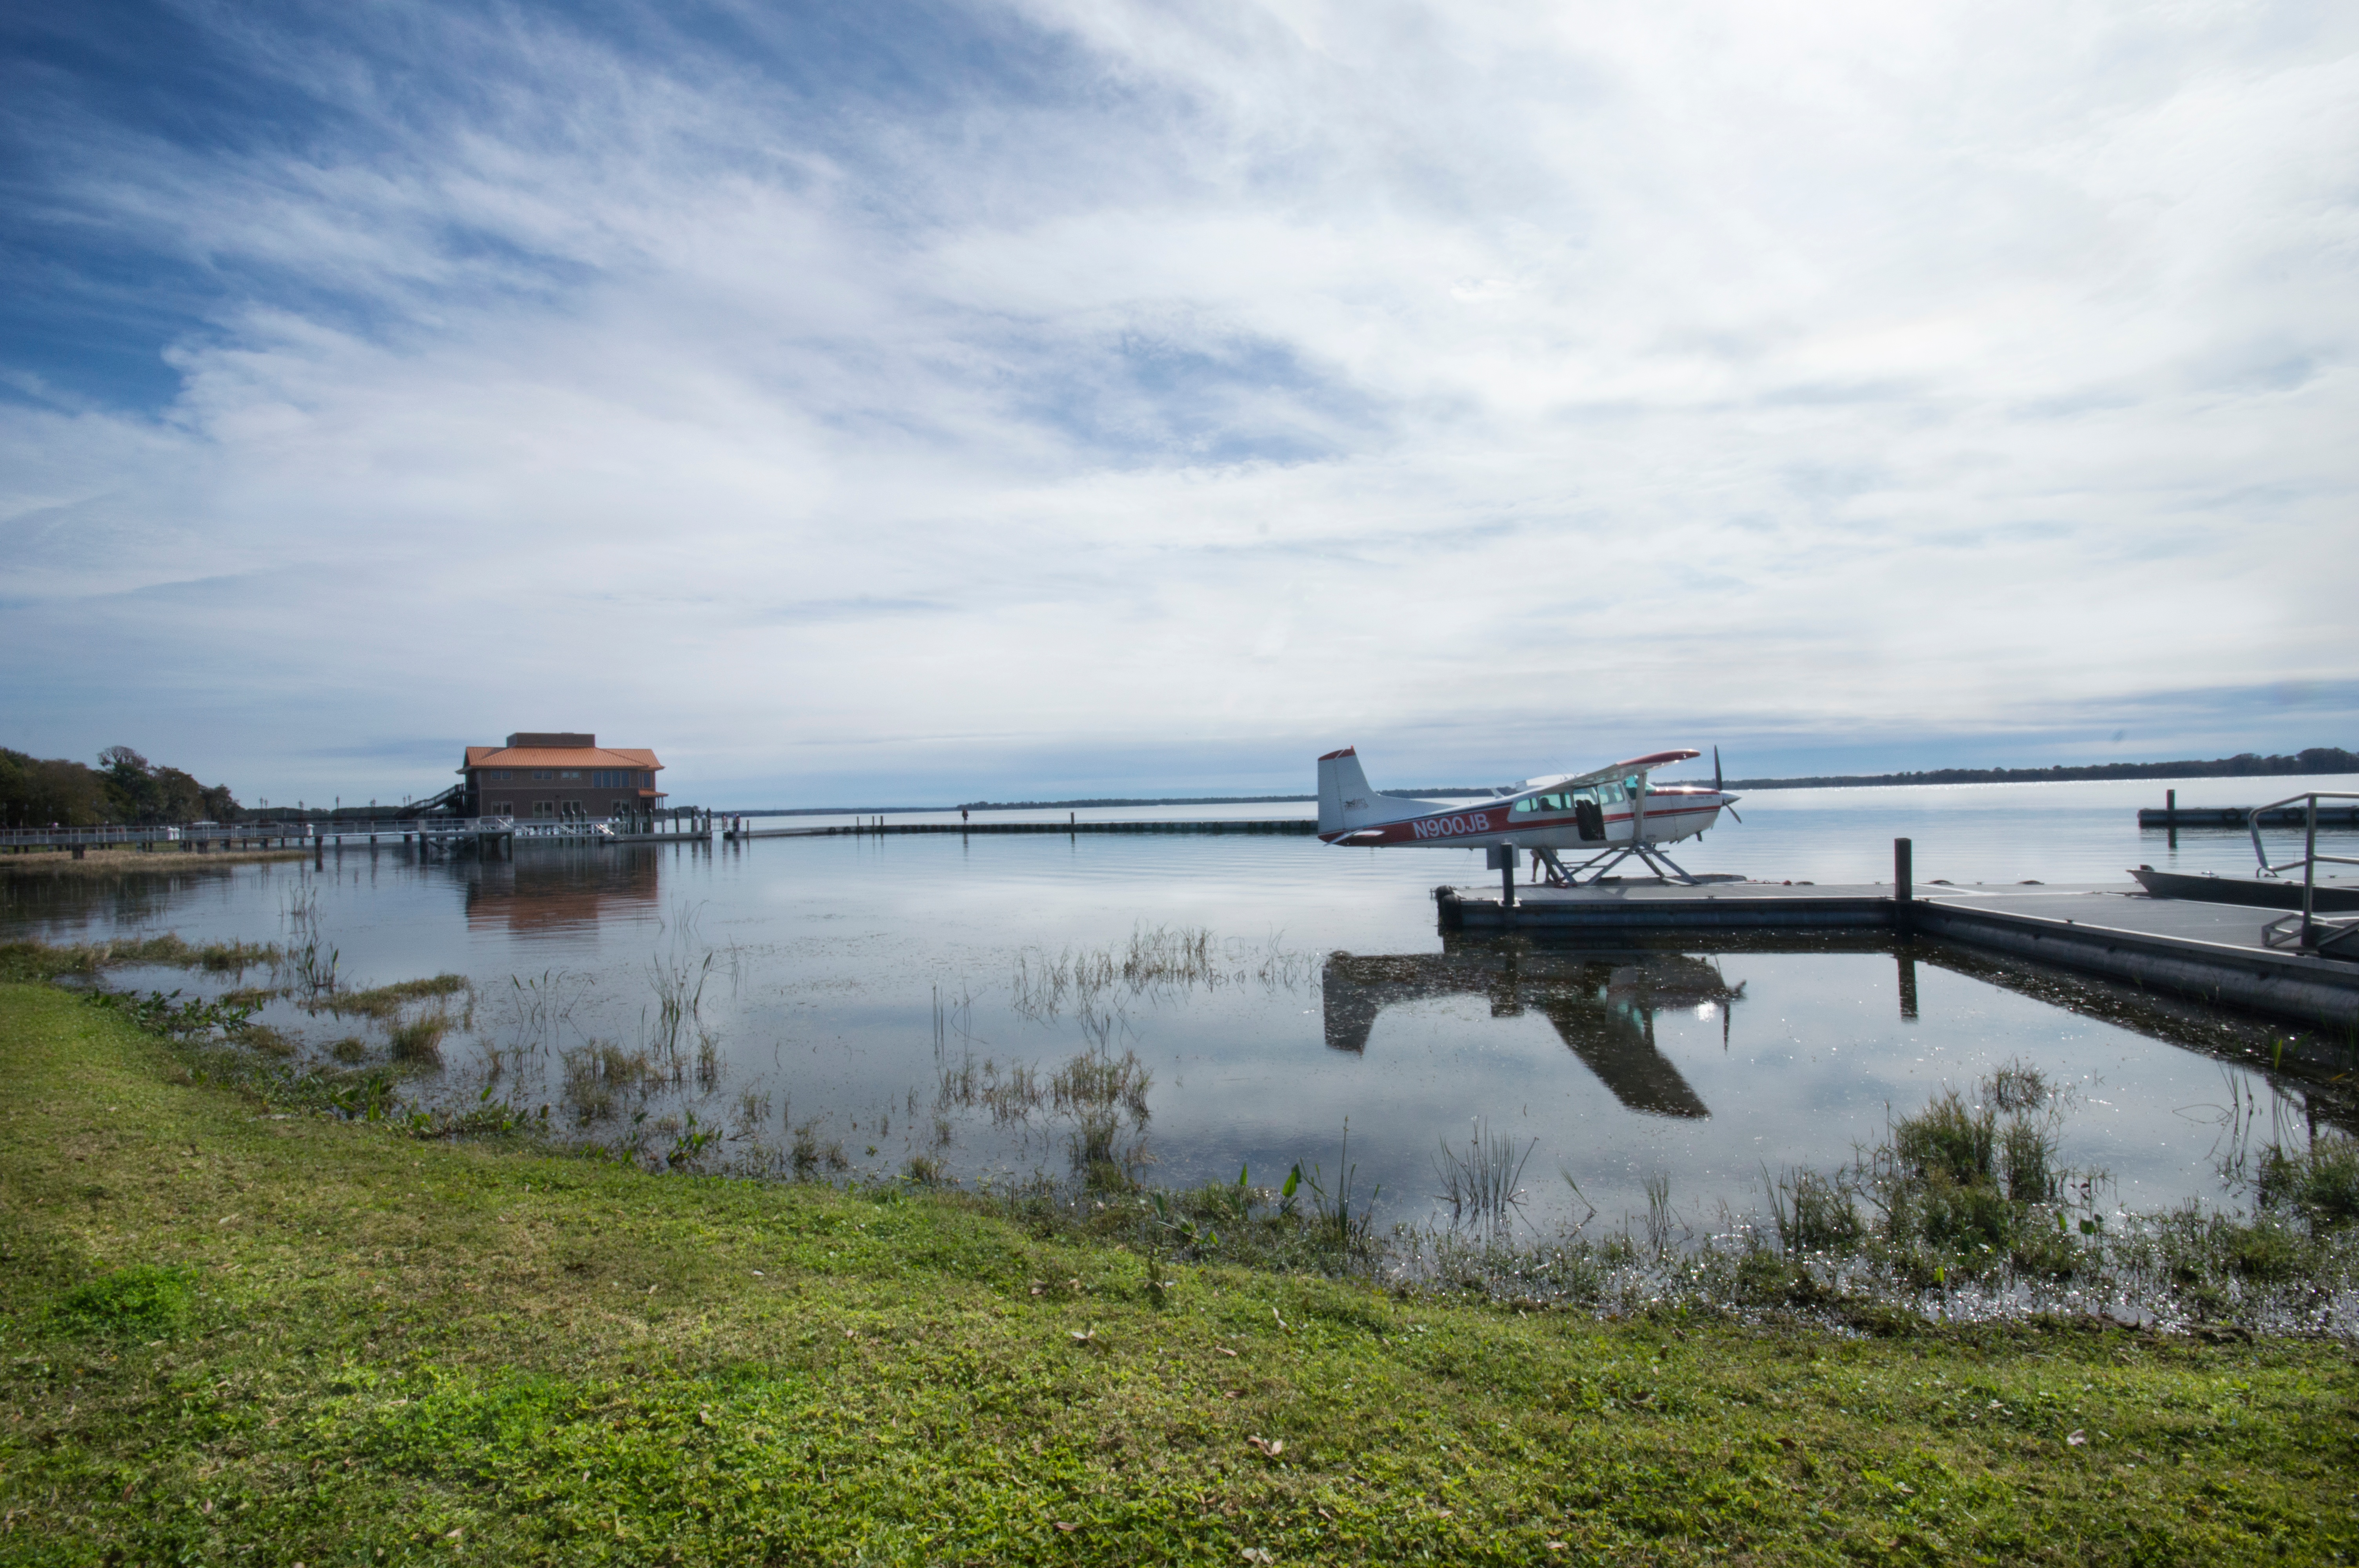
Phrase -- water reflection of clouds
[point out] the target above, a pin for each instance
(843, 942)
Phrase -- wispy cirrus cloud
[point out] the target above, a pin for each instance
(879, 399)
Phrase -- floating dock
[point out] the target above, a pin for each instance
(2212, 953)
(2241, 816)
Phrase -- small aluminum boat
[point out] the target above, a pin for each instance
(2266, 893)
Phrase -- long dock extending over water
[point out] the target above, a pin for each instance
(1294, 825)
(2209, 952)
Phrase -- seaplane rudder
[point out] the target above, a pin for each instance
(1345, 798)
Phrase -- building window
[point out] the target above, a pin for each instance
(570, 774)
(504, 808)
(540, 775)
(544, 809)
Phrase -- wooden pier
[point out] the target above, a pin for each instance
(487, 835)
(2212, 953)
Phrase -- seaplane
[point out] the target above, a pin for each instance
(1608, 813)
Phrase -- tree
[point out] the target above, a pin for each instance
(34, 792)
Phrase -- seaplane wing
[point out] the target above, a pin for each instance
(1607, 811)
(1622, 770)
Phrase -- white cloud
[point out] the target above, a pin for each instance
(1499, 384)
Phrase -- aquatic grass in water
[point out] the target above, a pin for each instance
(385, 1002)
(539, 1011)
(2319, 1185)
(2018, 1086)
(600, 1077)
(420, 1039)
(1096, 1082)
(808, 1155)
(39, 960)
(1483, 1184)
(679, 980)
(1659, 1217)
(315, 969)
(1814, 1214)
(1155, 957)
(1009, 1095)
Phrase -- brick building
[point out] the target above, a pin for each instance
(559, 774)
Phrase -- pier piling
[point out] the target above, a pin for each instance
(1904, 873)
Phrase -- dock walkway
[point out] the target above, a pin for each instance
(1289, 825)
(2210, 952)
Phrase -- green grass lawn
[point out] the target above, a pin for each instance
(239, 1336)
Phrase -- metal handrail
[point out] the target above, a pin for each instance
(2311, 858)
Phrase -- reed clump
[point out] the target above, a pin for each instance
(1813, 1214)
(1099, 1082)
(44, 961)
(809, 1154)
(419, 1041)
(597, 1078)
(385, 1002)
(2317, 1185)
(1154, 958)
(1007, 1095)
(264, 1038)
(1482, 1184)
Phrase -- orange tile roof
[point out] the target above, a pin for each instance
(559, 757)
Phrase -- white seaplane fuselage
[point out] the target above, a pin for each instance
(1612, 807)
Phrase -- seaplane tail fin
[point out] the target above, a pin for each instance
(1345, 800)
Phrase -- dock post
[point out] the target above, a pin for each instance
(2170, 815)
(1903, 873)
(1502, 858)
(2310, 875)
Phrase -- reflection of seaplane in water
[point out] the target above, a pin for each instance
(1608, 813)
(1602, 1006)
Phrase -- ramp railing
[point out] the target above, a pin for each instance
(2305, 930)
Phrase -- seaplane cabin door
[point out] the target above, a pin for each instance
(1589, 815)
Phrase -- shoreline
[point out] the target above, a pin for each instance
(123, 860)
(243, 1326)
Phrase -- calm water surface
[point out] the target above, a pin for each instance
(873, 989)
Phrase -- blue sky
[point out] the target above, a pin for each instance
(907, 403)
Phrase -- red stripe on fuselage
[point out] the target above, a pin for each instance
(1447, 828)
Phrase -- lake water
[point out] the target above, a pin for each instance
(915, 997)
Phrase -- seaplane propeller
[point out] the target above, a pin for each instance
(1719, 789)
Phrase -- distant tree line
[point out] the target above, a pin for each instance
(1117, 800)
(124, 788)
(2245, 764)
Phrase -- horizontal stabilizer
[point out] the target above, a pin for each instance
(1347, 801)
